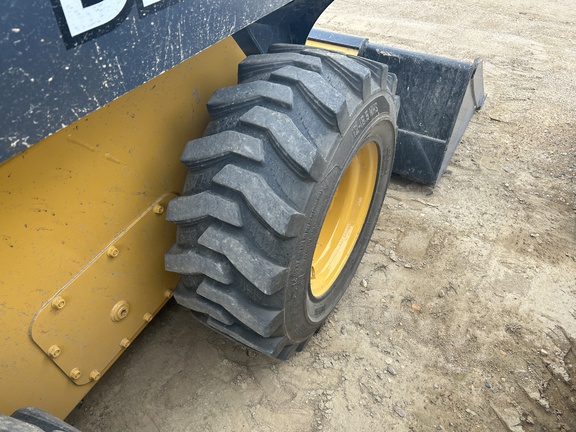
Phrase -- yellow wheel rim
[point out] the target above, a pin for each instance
(344, 219)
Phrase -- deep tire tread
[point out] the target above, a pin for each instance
(203, 152)
(260, 197)
(232, 99)
(270, 346)
(190, 209)
(193, 301)
(328, 103)
(290, 143)
(265, 275)
(289, 108)
(279, 48)
(357, 76)
(194, 262)
(379, 71)
(260, 66)
(261, 320)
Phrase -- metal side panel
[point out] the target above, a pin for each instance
(83, 234)
(438, 97)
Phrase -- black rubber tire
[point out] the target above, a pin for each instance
(33, 419)
(259, 186)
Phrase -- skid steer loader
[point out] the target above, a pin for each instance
(223, 153)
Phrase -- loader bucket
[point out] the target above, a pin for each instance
(438, 97)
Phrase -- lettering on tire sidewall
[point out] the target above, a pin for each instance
(365, 117)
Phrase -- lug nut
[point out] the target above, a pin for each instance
(54, 351)
(75, 373)
(58, 302)
(112, 252)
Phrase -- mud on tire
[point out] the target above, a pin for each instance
(261, 182)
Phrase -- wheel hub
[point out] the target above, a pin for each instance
(344, 220)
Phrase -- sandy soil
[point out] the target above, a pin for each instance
(462, 315)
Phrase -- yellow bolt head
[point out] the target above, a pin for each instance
(75, 374)
(94, 375)
(112, 252)
(125, 343)
(54, 351)
(148, 317)
(58, 302)
(158, 209)
(168, 294)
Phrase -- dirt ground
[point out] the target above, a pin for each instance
(462, 316)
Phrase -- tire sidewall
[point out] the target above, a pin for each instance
(304, 313)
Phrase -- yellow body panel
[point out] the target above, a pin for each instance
(116, 294)
(332, 47)
(70, 198)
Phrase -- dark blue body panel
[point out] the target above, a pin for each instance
(49, 79)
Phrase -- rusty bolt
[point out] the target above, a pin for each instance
(112, 252)
(54, 351)
(148, 317)
(158, 209)
(125, 343)
(58, 302)
(94, 375)
(75, 373)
